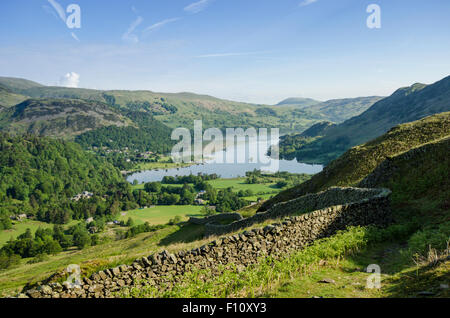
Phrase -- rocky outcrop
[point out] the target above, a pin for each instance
(164, 270)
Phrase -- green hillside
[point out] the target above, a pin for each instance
(8, 98)
(290, 143)
(147, 134)
(181, 109)
(59, 117)
(405, 105)
(18, 84)
(360, 161)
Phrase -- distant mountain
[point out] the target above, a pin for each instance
(18, 84)
(317, 130)
(339, 110)
(299, 101)
(359, 162)
(181, 109)
(8, 98)
(405, 105)
(334, 110)
(59, 117)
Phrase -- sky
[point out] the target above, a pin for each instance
(257, 51)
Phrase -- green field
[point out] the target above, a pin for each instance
(20, 227)
(239, 184)
(161, 214)
(163, 163)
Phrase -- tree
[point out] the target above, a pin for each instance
(154, 187)
(130, 222)
(81, 238)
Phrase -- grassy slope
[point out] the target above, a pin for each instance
(239, 184)
(405, 105)
(162, 214)
(98, 257)
(359, 161)
(17, 84)
(421, 189)
(8, 98)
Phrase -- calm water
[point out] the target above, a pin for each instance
(229, 171)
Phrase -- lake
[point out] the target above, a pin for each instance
(232, 170)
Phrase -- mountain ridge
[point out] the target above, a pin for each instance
(404, 105)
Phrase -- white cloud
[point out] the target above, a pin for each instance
(160, 24)
(129, 36)
(71, 79)
(307, 3)
(198, 6)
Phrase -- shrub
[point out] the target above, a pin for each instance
(436, 238)
(6, 261)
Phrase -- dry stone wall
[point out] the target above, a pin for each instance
(307, 203)
(164, 270)
(216, 218)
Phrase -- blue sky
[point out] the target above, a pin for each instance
(258, 51)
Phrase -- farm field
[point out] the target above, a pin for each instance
(161, 214)
(20, 227)
(239, 184)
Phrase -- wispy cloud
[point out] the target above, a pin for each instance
(59, 9)
(229, 54)
(75, 36)
(160, 24)
(129, 36)
(59, 13)
(198, 6)
(306, 3)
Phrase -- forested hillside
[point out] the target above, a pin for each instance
(37, 174)
(149, 134)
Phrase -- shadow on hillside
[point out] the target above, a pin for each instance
(186, 234)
